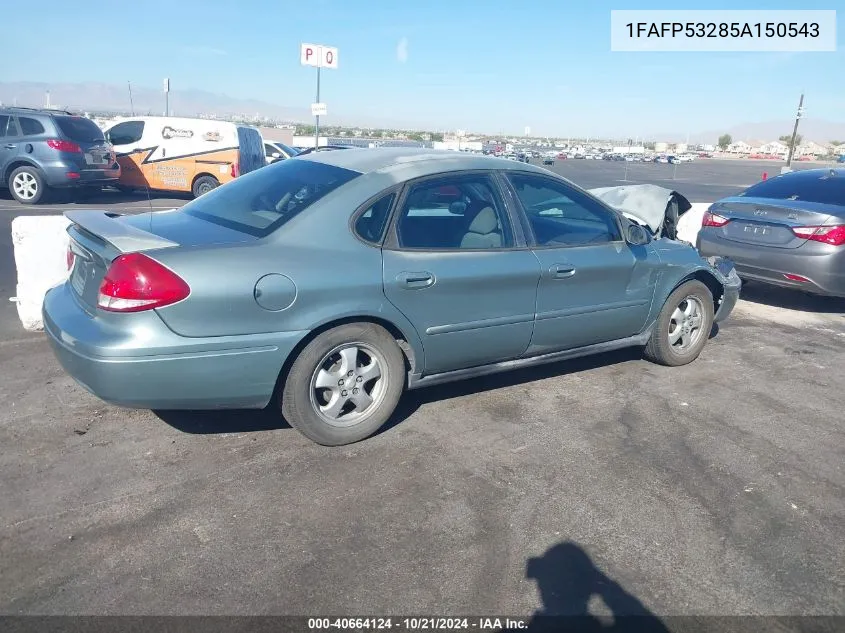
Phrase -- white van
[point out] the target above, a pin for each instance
(183, 155)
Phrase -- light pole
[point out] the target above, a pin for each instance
(798, 116)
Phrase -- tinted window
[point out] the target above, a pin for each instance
(262, 201)
(251, 150)
(370, 225)
(454, 212)
(562, 216)
(30, 127)
(269, 150)
(126, 133)
(4, 121)
(12, 127)
(79, 129)
(811, 186)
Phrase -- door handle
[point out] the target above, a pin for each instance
(562, 271)
(421, 279)
(10, 146)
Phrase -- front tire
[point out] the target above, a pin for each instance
(683, 327)
(203, 185)
(27, 185)
(345, 384)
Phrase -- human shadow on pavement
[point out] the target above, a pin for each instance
(567, 580)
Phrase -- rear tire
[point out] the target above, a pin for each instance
(345, 384)
(203, 185)
(26, 185)
(683, 327)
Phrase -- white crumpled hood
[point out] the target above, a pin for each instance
(645, 204)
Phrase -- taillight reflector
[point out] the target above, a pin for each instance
(64, 146)
(236, 170)
(135, 282)
(712, 219)
(70, 258)
(834, 235)
(794, 277)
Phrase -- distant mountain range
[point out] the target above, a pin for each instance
(818, 130)
(115, 98)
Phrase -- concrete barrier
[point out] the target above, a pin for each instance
(40, 244)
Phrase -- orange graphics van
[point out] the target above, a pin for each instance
(183, 155)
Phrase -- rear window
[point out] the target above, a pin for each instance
(260, 202)
(79, 129)
(820, 188)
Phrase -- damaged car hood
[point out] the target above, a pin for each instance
(656, 207)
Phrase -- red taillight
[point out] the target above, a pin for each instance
(711, 219)
(794, 277)
(70, 258)
(834, 235)
(73, 175)
(64, 146)
(236, 170)
(135, 282)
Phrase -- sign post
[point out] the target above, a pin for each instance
(320, 57)
(167, 97)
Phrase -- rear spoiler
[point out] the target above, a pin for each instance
(122, 236)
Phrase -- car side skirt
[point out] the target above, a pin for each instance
(417, 381)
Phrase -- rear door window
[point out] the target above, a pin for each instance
(4, 122)
(30, 127)
(262, 201)
(79, 129)
(126, 133)
(12, 128)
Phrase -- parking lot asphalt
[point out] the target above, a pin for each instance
(715, 488)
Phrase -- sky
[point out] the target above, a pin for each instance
(492, 66)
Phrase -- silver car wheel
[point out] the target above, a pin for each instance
(685, 324)
(25, 186)
(348, 384)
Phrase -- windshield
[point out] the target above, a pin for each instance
(822, 188)
(286, 149)
(79, 129)
(262, 201)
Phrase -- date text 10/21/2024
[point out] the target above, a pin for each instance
(402, 624)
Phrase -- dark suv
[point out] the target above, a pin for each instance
(51, 149)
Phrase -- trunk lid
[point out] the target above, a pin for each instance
(768, 222)
(98, 237)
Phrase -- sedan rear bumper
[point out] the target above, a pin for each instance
(150, 367)
(822, 265)
(56, 175)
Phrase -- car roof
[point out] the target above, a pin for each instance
(812, 174)
(365, 160)
(44, 111)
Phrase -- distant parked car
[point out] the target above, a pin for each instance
(325, 148)
(549, 160)
(44, 150)
(786, 231)
(275, 151)
(335, 280)
(841, 159)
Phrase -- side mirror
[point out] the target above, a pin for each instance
(637, 235)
